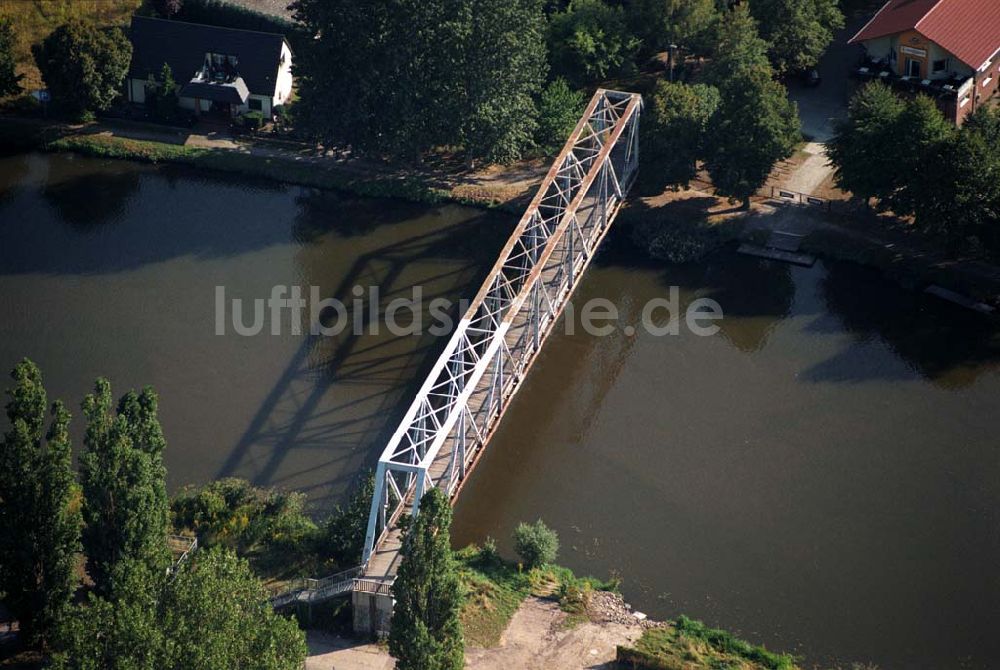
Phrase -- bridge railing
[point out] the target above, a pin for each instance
(455, 411)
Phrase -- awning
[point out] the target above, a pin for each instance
(234, 92)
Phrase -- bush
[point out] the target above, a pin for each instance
(559, 109)
(233, 513)
(536, 543)
(253, 120)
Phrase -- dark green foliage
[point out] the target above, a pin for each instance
(123, 479)
(798, 31)
(426, 633)
(536, 543)
(162, 95)
(755, 125)
(83, 66)
(674, 131)
(921, 129)
(213, 615)
(590, 41)
(864, 147)
(39, 508)
(686, 23)
(505, 65)
(344, 531)
(10, 81)
(235, 514)
(412, 75)
(559, 110)
(253, 120)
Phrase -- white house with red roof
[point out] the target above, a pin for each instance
(949, 49)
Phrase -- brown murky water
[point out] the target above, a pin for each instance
(822, 476)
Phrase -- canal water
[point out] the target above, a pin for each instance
(822, 475)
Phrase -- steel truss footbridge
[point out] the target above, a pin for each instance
(459, 406)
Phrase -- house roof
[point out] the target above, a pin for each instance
(968, 29)
(183, 47)
(234, 92)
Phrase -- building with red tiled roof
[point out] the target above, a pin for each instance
(949, 49)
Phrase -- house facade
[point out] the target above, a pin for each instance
(948, 49)
(221, 71)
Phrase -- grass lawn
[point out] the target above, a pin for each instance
(35, 19)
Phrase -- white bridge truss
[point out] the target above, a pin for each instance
(460, 404)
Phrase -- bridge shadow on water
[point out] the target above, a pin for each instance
(342, 396)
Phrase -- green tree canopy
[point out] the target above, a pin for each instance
(755, 125)
(674, 130)
(686, 23)
(125, 497)
(559, 110)
(921, 129)
(426, 633)
(590, 41)
(505, 64)
(864, 145)
(798, 31)
(214, 615)
(39, 507)
(402, 76)
(10, 80)
(83, 66)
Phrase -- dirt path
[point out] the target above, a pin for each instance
(536, 639)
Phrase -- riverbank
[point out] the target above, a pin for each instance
(440, 180)
(547, 618)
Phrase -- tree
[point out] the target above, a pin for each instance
(864, 146)
(559, 110)
(755, 124)
(167, 97)
(83, 66)
(505, 65)
(536, 543)
(214, 614)
(344, 534)
(123, 477)
(686, 23)
(425, 633)
(674, 131)
(412, 75)
(798, 31)
(922, 129)
(10, 80)
(39, 508)
(590, 41)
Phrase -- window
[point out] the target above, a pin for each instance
(965, 101)
(255, 104)
(913, 68)
(939, 66)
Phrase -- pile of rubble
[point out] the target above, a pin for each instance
(608, 607)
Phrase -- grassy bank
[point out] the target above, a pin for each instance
(495, 588)
(685, 644)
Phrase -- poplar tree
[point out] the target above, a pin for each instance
(124, 485)
(39, 508)
(425, 632)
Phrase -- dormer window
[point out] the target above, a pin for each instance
(221, 67)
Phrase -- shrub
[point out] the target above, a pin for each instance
(590, 41)
(253, 120)
(536, 543)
